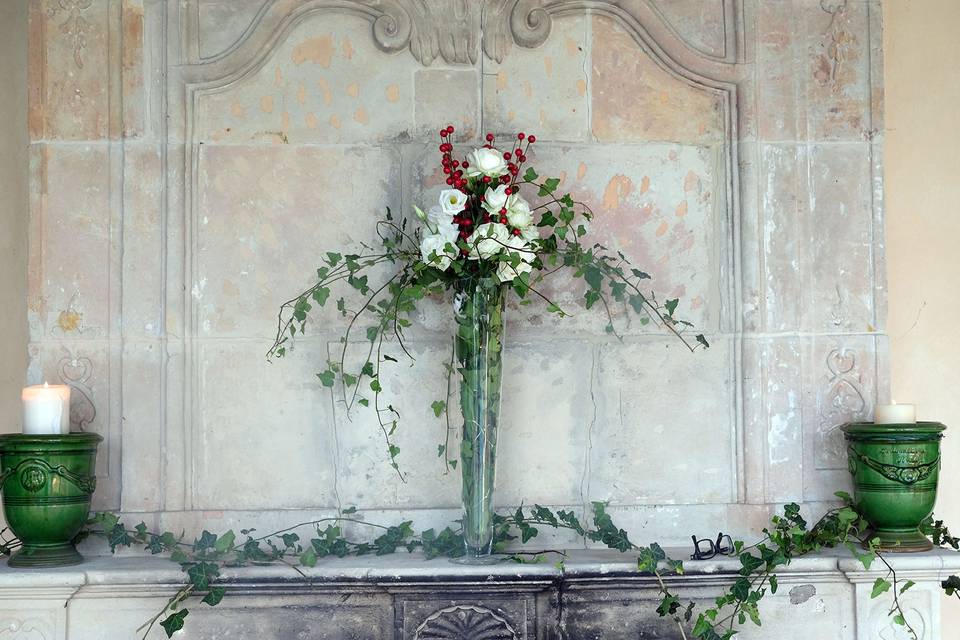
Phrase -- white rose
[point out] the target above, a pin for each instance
(518, 212)
(437, 217)
(433, 247)
(452, 201)
(487, 240)
(530, 234)
(486, 162)
(517, 248)
(496, 199)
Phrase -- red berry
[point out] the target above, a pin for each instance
(513, 169)
(507, 155)
(504, 179)
(516, 232)
(443, 132)
(489, 137)
(518, 152)
(532, 139)
(450, 129)
(523, 158)
(443, 147)
(521, 135)
(456, 163)
(486, 179)
(465, 164)
(503, 211)
(503, 219)
(446, 170)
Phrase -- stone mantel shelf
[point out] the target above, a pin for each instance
(405, 568)
(598, 594)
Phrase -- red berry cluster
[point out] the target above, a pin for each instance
(454, 170)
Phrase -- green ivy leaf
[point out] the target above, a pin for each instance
(327, 378)
(309, 557)
(225, 542)
(671, 306)
(906, 585)
(530, 175)
(438, 407)
(214, 596)
(880, 586)
(320, 295)
(549, 186)
(375, 386)
(174, 622)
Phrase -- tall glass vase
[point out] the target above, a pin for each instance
(479, 311)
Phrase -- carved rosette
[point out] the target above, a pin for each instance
(465, 622)
(450, 29)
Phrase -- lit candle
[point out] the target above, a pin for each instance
(895, 414)
(46, 409)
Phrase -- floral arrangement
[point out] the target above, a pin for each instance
(481, 240)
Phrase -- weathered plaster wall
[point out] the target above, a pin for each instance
(923, 222)
(13, 210)
(191, 159)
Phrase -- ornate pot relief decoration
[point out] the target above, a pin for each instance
(75, 26)
(465, 622)
(841, 401)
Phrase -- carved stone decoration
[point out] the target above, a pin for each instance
(75, 372)
(884, 628)
(465, 622)
(30, 628)
(448, 28)
(75, 26)
(842, 402)
(524, 22)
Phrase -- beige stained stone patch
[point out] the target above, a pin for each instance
(633, 98)
(539, 90)
(328, 68)
(680, 253)
(445, 97)
(69, 78)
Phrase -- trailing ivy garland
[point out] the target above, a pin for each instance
(787, 537)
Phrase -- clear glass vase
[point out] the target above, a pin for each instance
(479, 313)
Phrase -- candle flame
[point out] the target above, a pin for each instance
(45, 385)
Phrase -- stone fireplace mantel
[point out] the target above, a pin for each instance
(597, 594)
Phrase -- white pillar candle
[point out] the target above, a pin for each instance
(895, 414)
(46, 409)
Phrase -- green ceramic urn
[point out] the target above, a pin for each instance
(47, 482)
(895, 469)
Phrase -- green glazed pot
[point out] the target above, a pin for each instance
(895, 470)
(47, 482)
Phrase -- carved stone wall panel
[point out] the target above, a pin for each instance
(640, 424)
(234, 158)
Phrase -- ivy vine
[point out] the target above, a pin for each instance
(787, 537)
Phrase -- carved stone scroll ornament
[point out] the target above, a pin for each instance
(449, 28)
(75, 372)
(465, 622)
(842, 401)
